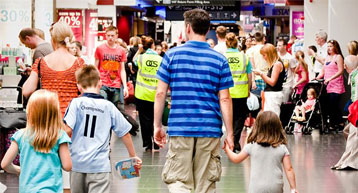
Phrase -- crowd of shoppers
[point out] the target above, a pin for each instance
(209, 86)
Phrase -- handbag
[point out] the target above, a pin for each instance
(39, 74)
(10, 119)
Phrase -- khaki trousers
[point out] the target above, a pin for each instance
(192, 164)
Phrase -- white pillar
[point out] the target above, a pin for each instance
(343, 22)
(316, 18)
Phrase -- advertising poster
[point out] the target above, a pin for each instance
(74, 19)
(103, 23)
(298, 24)
(91, 30)
(14, 15)
(44, 17)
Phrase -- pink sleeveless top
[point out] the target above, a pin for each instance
(330, 69)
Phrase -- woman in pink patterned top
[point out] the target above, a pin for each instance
(302, 71)
(306, 106)
(332, 72)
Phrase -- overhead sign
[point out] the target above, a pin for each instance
(195, 2)
(215, 12)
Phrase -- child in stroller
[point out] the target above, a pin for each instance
(312, 112)
(306, 106)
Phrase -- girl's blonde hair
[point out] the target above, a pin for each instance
(62, 34)
(43, 120)
(300, 56)
(231, 40)
(267, 130)
(271, 53)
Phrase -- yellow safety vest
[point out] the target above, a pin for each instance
(146, 85)
(238, 65)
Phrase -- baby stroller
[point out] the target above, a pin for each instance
(314, 118)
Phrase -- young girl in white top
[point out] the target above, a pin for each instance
(43, 146)
(266, 147)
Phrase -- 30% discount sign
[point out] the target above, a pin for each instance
(14, 15)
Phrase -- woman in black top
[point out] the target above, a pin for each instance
(274, 79)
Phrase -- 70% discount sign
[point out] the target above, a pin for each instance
(14, 15)
(71, 18)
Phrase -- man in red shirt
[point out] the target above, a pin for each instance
(110, 60)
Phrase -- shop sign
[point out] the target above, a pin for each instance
(74, 19)
(91, 31)
(103, 23)
(105, 2)
(272, 11)
(298, 24)
(14, 15)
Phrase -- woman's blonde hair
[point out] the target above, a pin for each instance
(43, 120)
(62, 34)
(271, 53)
(353, 48)
(300, 56)
(231, 40)
(267, 130)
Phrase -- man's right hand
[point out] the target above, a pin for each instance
(159, 136)
(229, 141)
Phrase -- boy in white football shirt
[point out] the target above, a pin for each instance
(90, 119)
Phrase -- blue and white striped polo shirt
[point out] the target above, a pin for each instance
(92, 118)
(195, 73)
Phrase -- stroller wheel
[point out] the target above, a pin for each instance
(289, 130)
(307, 131)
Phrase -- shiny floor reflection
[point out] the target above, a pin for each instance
(312, 156)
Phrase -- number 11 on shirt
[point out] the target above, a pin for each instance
(93, 126)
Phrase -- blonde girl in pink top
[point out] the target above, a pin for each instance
(302, 71)
(332, 72)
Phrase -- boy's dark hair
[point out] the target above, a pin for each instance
(198, 19)
(259, 37)
(27, 32)
(267, 130)
(221, 32)
(112, 28)
(312, 47)
(87, 76)
(282, 40)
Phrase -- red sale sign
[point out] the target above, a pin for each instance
(91, 30)
(74, 19)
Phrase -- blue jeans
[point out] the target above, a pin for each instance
(112, 94)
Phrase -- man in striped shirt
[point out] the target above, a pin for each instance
(199, 78)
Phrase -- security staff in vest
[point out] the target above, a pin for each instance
(240, 68)
(148, 64)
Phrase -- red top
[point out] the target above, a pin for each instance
(109, 67)
(62, 82)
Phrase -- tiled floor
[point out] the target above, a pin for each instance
(311, 155)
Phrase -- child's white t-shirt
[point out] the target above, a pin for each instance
(92, 118)
(266, 167)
